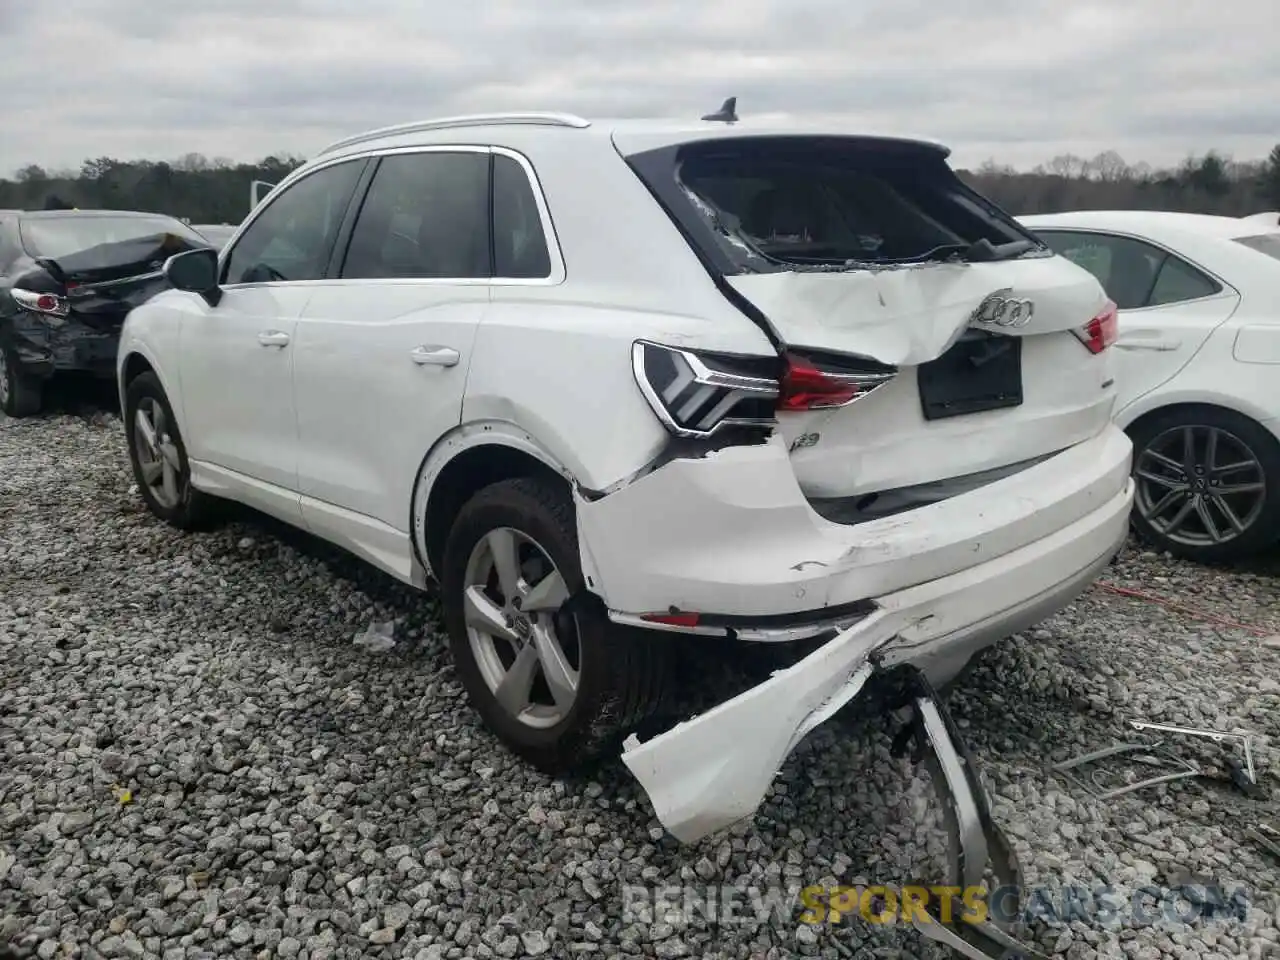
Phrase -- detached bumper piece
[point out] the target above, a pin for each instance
(977, 843)
(699, 783)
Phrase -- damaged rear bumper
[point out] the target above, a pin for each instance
(730, 536)
(709, 772)
(44, 348)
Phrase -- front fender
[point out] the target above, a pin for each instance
(132, 345)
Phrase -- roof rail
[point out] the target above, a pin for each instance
(472, 120)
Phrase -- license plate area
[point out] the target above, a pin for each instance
(980, 372)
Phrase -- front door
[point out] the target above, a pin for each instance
(237, 357)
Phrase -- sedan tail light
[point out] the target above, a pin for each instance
(1102, 331)
(46, 303)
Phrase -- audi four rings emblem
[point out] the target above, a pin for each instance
(1004, 311)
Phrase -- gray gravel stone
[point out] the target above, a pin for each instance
(294, 796)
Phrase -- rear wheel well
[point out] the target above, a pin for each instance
(1159, 413)
(134, 366)
(466, 475)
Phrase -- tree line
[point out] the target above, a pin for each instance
(1208, 184)
(217, 191)
(192, 187)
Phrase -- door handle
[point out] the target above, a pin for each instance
(273, 338)
(435, 356)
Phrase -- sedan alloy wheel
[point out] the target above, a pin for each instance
(1199, 485)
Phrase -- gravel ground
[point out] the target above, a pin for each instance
(197, 761)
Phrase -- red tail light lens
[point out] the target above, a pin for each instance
(1101, 332)
(805, 386)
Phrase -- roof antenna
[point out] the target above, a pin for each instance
(728, 112)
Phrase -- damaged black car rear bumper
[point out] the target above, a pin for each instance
(47, 345)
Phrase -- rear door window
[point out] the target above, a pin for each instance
(1178, 282)
(426, 216)
(519, 243)
(1134, 274)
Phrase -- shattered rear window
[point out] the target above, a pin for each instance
(56, 237)
(807, 201)
(1268, 243)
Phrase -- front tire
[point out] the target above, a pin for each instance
(159, 457)
(20, 393)
(557, 682)
(1207, 484)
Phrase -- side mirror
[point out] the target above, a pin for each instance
(195, 271)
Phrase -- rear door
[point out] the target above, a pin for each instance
(383, 347)
(1168, 305)
(869, 258)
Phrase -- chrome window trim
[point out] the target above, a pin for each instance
(554, 251)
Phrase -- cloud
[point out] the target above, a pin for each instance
(1018, 81)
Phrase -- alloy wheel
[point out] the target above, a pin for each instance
(158, 460)
(527, 652)
(5, 385)
(1199, 485)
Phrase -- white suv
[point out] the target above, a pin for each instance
(611, 383)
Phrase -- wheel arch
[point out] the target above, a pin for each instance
(1133, 423)
(136, 361)
(463, 462)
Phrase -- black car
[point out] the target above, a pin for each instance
(68, 278)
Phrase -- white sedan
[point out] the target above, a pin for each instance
(1197, 369)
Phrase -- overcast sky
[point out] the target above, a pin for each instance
(1015, 80)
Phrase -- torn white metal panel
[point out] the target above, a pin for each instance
(908, 315)
(715, 769)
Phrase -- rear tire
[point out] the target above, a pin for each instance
(1208, 484)
(20, 393)
(160, 465)
(609, 679)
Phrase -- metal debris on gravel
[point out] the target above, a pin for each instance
(196, 761)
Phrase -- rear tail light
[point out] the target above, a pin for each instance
(809, 384)
(1100, 332)
(45, 303)
(696, 394)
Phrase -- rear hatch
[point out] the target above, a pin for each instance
(101, 267)
(931, 344)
